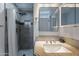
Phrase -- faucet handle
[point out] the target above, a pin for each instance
(50, 42)
(54, 41)
(46, 41)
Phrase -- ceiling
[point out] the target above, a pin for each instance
(24, 6)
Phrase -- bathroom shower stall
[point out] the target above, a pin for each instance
(24, 27)
(16, 29)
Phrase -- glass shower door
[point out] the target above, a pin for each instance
(44, 19)
(55, 22)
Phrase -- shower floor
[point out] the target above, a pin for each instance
(26, 52)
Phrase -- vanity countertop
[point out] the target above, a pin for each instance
(38, 50)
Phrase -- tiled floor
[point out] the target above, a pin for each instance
(27, 52)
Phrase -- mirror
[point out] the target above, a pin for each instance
(68, 15)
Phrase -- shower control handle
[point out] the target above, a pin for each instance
(1, 25)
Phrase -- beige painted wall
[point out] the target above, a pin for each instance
(36, 20)
(11, 18)
(71, 33)
(2, 30)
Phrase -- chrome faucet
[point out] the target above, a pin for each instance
(50, 41)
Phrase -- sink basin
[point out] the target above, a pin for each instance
(55, 48)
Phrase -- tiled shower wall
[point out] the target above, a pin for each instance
(26, 38)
